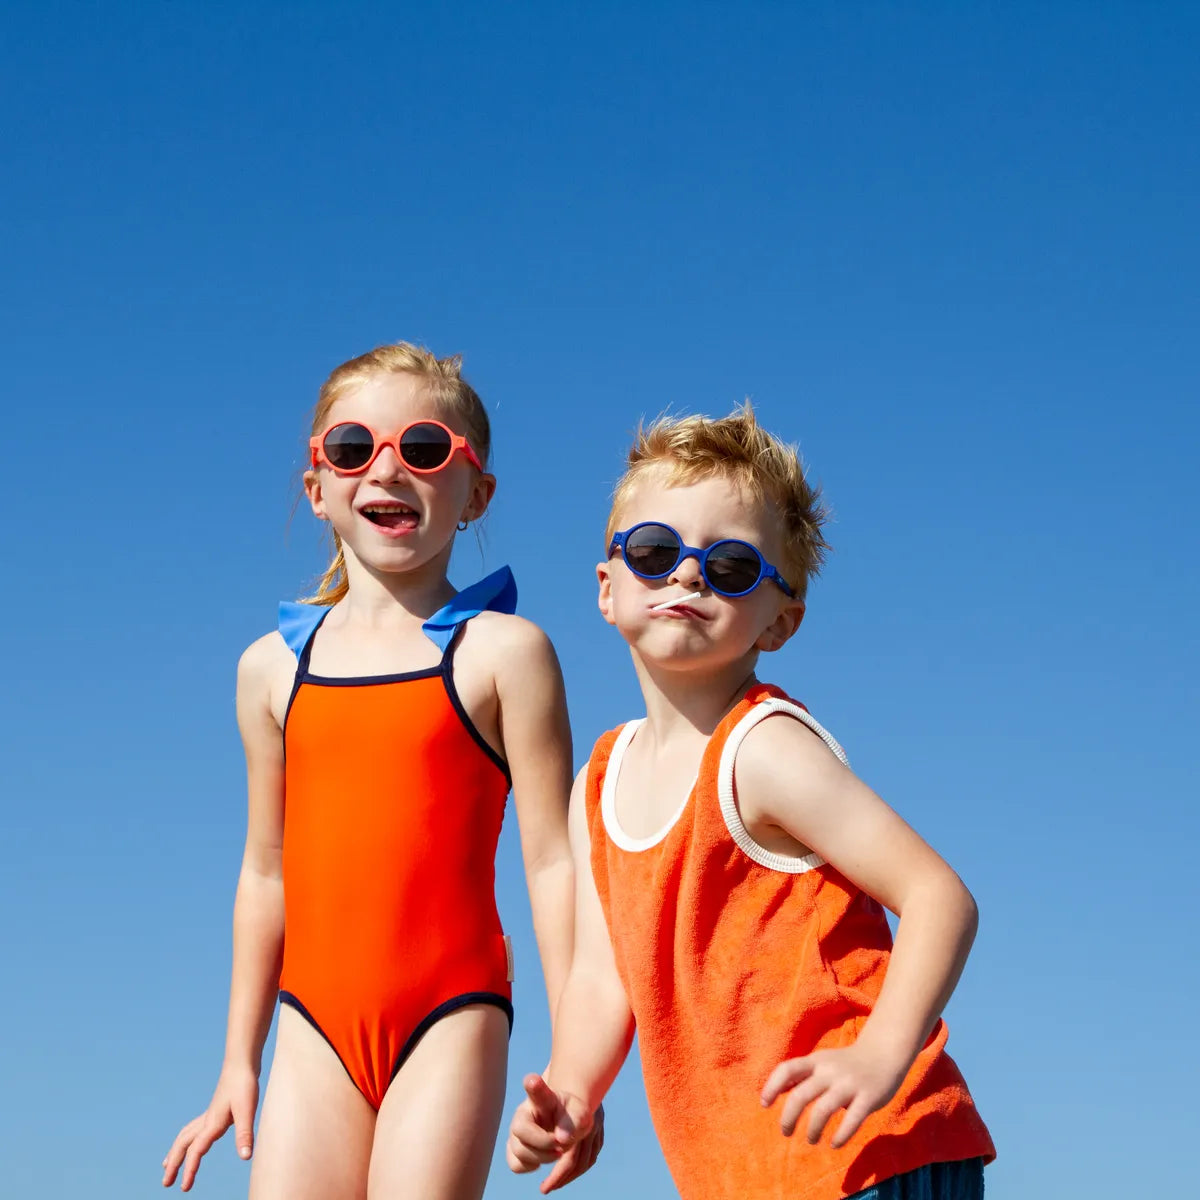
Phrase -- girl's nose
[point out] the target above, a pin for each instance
(387, 467)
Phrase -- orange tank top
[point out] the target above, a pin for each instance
(735, 959)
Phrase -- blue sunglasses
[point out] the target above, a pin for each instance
(728, 567)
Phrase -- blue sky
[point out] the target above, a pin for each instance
(951, 250)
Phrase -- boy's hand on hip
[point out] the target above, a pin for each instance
(549, 1126)
(852, 1078)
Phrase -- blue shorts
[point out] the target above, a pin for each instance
(937, 1181)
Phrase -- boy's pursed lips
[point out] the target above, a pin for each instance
(678, 610)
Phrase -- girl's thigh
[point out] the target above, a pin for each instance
(437, 1125)
(314, 1137)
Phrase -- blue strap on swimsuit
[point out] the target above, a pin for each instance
(496, 592)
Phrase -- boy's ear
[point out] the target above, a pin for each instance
(785, 624)
(604, 600)
(482, 492)
(312, 489)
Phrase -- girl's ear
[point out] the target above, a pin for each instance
(604, 601)
(482, 491)
(781, 629)
(312, 489)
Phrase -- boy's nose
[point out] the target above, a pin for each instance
(687, 573)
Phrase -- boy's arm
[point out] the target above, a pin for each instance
(537, 746)
(257, 921)
(593, 1032)
(788, 778)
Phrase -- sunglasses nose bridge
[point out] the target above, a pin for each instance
(387, 463)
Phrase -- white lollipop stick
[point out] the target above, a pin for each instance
(678, 600)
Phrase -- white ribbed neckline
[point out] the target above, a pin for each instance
(608, 796)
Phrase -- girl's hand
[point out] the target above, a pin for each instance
(549, 1127)
(853, 1078)
(234, 1103)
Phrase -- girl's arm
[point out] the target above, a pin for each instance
(787, 777)
(257, 923)
(592, 1035)
(537, 746)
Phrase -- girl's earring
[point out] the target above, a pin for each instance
(463, 525)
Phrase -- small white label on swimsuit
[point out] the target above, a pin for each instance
(508, 956)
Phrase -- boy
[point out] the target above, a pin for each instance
(737, 921)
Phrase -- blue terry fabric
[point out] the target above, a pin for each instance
(496, 592)
(937, 1181)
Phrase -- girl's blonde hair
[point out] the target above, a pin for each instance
(737, 448)
(452, 397)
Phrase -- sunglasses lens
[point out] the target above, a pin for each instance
(425, 447)
(732, 568)
(349, 447)
(651, 550)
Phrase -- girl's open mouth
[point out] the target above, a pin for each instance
(394, 517)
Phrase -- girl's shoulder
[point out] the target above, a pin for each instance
(264, 664)
(265, 673)
(265, 654)
(506, 638)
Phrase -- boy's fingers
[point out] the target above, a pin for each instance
(543, 1101)
(521, 1159)
(796, 1103)
(526, 1132)
(785, 1076)
(848, 1126)
(588, 1151)
(824, 1108)
(574, 1122)
(563, 1171)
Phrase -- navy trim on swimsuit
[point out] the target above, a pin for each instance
(290, 1000)
(301, 670)
(444, 1010)
(366, 680)
(447, 670)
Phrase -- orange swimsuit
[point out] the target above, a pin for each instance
(393, 805)
(734, 959)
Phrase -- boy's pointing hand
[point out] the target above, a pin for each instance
(553, 1127)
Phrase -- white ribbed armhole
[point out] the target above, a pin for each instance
(790, 864)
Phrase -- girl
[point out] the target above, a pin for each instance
(383, 723)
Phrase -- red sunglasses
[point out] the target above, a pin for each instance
(422, 446)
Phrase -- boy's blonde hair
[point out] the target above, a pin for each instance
(451, 394)
(739, 449)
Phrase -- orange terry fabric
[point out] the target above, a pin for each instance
(392, 814)
(732, 967)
